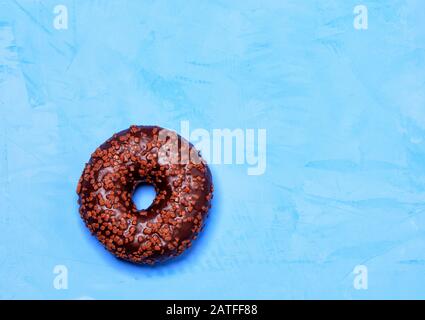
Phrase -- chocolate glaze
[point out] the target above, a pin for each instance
(183, 187)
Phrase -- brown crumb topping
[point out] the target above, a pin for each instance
(183, 194)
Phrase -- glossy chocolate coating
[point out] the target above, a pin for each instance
(183, 184)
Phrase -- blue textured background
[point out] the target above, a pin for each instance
(345, 117)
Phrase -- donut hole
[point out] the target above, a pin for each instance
(143, 196)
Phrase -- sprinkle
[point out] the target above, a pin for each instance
(171, 223)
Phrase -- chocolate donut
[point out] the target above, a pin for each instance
(183, 184)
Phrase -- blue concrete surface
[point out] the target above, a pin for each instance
(344, 111)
